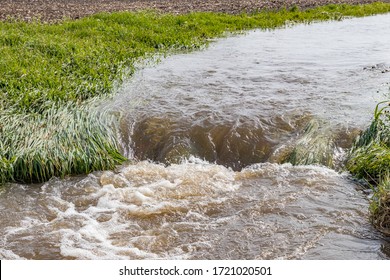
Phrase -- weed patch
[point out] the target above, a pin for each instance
(369, 159)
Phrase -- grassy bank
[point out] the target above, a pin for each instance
(50, 72)
(369, 159)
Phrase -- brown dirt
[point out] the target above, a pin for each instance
(54, 10)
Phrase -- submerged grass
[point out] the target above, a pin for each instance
(314, 146)
(49, 71)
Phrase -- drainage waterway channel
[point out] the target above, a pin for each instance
(212, 135)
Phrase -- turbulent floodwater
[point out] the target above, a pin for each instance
(211, 135)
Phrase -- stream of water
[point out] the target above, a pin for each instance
(211, 135)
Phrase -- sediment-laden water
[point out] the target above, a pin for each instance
(212, 136)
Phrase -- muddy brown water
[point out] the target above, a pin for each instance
(211, 135)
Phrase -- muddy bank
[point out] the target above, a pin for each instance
(54, 10)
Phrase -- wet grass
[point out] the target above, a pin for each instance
(314, 146)
(380, 206)
(60, 141)
(49, 72)
(369, 159)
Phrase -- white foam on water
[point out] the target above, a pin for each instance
(150, 190)
(191, 211)
(9, 255)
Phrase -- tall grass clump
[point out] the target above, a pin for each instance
(57, 142)
(380, 206)
(369, 159)
(49, 72)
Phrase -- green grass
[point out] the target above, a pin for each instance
(369, 159)
(76, 60)
(49, 72)
(60, 141)
(380, 206)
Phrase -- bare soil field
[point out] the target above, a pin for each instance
(55, 10)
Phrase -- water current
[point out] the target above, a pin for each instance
(211, 136)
